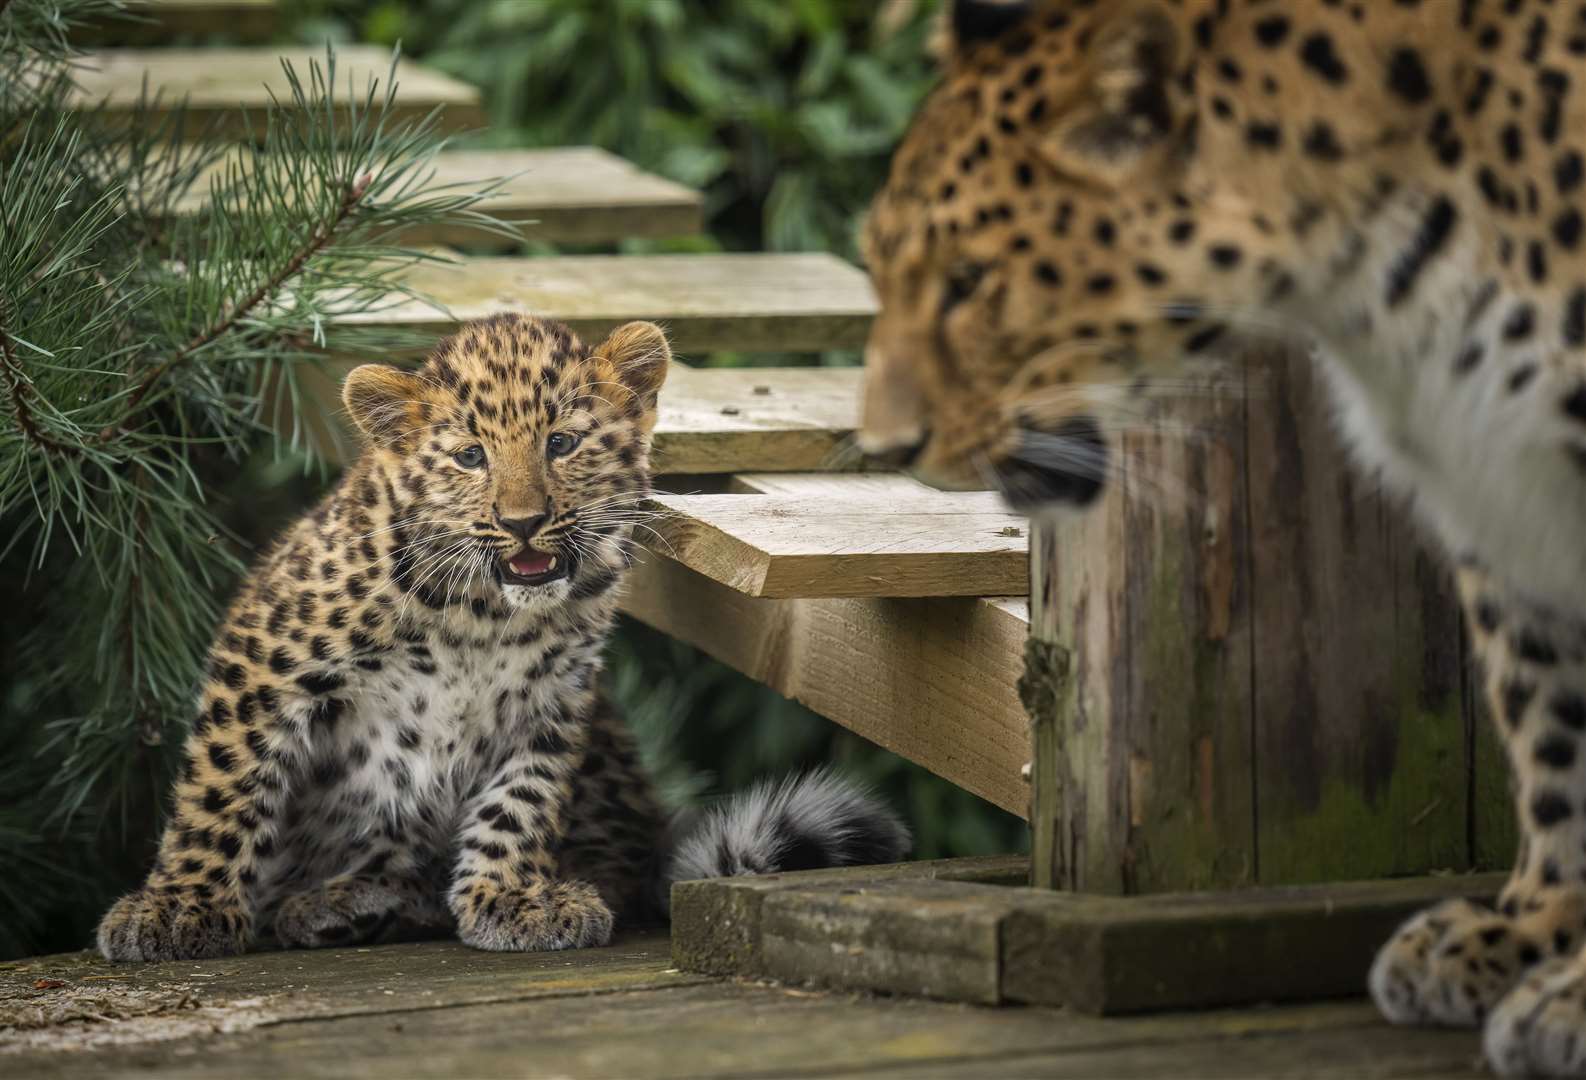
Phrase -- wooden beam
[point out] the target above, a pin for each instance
(578, 193)
(218, 84)
(795, 547)
(929, 679)
(776, 302)
(962, 933)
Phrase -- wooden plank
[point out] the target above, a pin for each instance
(791, 547)
(711, 419)
(101, 1005)
(1362, 763)
(727, 419)
(1139, 667)
(735, 1030)
(929, 679)
(776, 302)
(576, 193)
(218, 84)
(894, 930)
(156, 21)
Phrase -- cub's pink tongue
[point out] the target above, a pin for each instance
(528, 563)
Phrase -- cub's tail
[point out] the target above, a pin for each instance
(804, 822)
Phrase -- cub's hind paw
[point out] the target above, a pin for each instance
(352, 911)
(1449, 966)
(559, 915)
(181, 925)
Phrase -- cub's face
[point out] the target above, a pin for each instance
(1033, 245)
(517, 454)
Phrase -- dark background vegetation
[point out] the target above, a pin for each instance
(783, 113)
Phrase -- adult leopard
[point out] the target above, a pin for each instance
(1098, 191)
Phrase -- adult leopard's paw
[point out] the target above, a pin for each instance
(1539, 1029)
(560, 915)
(1449, 966)
(147, 925)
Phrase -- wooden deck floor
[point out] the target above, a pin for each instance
(440, 1010)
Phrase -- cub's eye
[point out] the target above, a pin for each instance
(470, 457)
(560, 444)
(963, 278)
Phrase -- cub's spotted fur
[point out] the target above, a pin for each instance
(1100, 190)
(401, 729)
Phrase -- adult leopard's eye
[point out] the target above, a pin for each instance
(560, 444)
(470, 457)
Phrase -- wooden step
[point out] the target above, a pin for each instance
(752, 302)
(932, 680)
(718, 420)
(219, 84)
(929, 543)
(155, 21)
(576, 194)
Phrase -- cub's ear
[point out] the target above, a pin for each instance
(1130, 102)
(385, 402)
(639, 352)
(970, 22)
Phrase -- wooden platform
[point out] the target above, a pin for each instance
(439, 1010)
(218, 84)
(750, 302)
(576, 193)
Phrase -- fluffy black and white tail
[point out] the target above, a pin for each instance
(804, 822)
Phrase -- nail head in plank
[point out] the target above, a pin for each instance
(764, 302)
(575, 193)
(934, 544)
(932, 680)
(219, 83)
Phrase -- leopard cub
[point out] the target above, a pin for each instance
(400, 728)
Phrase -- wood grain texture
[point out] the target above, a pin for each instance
(1362, 760)
(777, 302)
(578, 193)
(723, 420)
(929, 679)
(219, 83)
(793, 547)
(1147, 593)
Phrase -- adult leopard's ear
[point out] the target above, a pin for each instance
(639, 353)
(1130, 103)
(385, 402)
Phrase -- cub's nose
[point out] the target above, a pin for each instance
(523, 528)
(898, 452)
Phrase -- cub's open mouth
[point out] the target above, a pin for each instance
(531, 567)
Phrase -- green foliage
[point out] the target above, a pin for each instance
(135, 351)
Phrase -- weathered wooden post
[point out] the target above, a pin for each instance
(1243, 666)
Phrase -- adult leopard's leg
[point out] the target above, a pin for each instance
(1453, 964)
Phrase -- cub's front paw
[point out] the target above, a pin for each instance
(1449, 965)
(558, 915)
(149, 925)
(1540, 1028)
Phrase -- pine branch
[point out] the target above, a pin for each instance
(16, 382)
(317, 241)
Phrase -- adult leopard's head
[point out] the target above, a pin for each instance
(515, 451)
(1052, 221)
